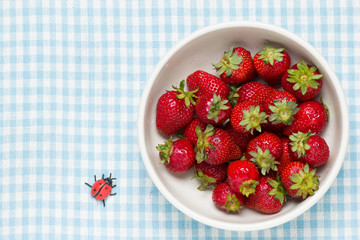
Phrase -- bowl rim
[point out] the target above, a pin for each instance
(281, 219)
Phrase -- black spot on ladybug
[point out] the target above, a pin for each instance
(100, 184)
(106, 188)
(100, 195)
(94, 189)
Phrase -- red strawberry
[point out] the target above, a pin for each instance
(269, 196)
(210, 175)
(215, 146)
(243, 177)
(206, 83)
(190, 132)
(226, 199)
(212, 108)
(285, 157)
(309, 148)
(265, 149)
(236, 67)
(178, 156)
(299, 180)
(247, 116)
(175, 110)
(271, 64)
(254, 92)
(312, 116)
(281, 107)
(303, 81)
(241, 139)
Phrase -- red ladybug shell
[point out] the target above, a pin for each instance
(97, 186)
(104, 192)
(100, 189)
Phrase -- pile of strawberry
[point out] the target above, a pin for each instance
(254, 143)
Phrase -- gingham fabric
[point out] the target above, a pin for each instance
(71, 77)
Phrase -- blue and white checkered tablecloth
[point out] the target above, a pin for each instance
(71, 77)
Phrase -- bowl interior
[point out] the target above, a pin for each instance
(197, 52)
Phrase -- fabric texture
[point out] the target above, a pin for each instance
(71, 78)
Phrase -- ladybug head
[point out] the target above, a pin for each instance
(109, 180)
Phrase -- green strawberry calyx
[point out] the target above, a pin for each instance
(305, 181)
(248, 187)
(299, 142)
(217, 106)
(264, 160)
(233, 96)
(269, 54)
(166, 150)
(202, 144)
(278, 190)
(187, 96)
(303, 77)
(253, 119)
(229, 62)
(205, 179)
(232, 204)
(283, 111)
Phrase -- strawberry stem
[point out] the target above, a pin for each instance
(229, 62)
(278, 190)
(305, 181)
(283, 111)
(232, 204)
(166, 150)
(303, 77)
(187, 96)
(253, 119)
(269, 54)
(217, 106)
(248, 187)
(299, 142)
(205, 179)
(264, 160)
(202, 143)
(233, 95)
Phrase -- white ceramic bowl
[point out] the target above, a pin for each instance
(197, 52)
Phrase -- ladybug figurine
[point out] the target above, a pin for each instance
(102, 188)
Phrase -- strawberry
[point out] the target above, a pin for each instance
(178, 156)
(215, 146)
(226, 199)
(206, 83)
(312, 115)
(213, 108)
(303, 81)
(281, 106)
(265, 150)
(299, 180)
(190, 132)
(271, 64)
(254, 92)
(241, 139)
(309, 148)
(174, 110)
(269, 196)
(285, 157)
(243, 177)
(236, 66)
(247, 116)
(210, 175)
